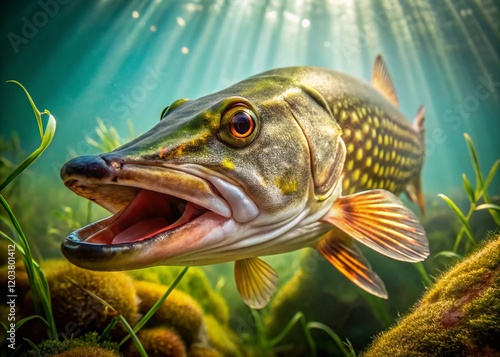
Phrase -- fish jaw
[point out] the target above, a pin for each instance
(161, 214)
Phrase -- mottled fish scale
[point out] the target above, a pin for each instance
(381, 152)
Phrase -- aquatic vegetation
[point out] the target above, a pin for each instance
(84, 345)
(194, 283)
(474, 194)
(179, 311)
(158, 342)
(457, 316)
(109, 139)
(38, 283)
(306, 292)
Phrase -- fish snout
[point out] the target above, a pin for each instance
(89, 168)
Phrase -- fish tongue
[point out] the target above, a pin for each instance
(141, 230)
(146, 208)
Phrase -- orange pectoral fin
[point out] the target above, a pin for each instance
(256, 281)
(379, 220)
(343, 254)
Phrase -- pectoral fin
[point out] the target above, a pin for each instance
(379, 220)
(343, 254)
(256, 281)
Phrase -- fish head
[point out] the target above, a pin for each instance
(235, 174)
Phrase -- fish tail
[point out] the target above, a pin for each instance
(414, 188)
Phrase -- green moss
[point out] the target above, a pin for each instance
(89, 352)
(75, 311)
(55, 348)
(459, 316)
(179, 311)
(158, 342)
(198, 350)
(194, 283)
(221, 338)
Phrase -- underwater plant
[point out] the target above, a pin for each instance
(19, 242)
(109, 139)
(474, 194)
(194, 283)
(458, 316)
(180, 311)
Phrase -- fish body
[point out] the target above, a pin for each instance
(257, 169)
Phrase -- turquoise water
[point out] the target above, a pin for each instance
(84, 60)
(122, 61)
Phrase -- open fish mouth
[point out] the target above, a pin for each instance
(149, 214)
(159, 213)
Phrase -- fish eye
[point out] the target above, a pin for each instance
(171, 107)
(239, 125)
(242, 124)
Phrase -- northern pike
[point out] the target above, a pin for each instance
(290, 158)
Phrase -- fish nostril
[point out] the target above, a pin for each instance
(112, 161)
(85, 166)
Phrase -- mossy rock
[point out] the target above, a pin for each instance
(200, 350)
(458, 316)
(84, 346)
(89, 352)
(194, 283)
(179, 310)
(75, 312)
(221, 337)
(158, 342)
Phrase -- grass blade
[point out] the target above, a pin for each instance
(156, 306)
(332, 334)
(46, 140)
(448, 254)
(33, 106)
(488, 206)
(491, 174)
(460, 215)
(468, 189)
(475, 163)
(298, 317)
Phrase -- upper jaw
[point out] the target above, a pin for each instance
(116, 185)
(113, 184)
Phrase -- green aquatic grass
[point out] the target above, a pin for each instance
(109, 139)
(266, 344)
(38, 283)
(156, 306)
(474, 195)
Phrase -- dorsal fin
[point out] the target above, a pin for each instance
(382, 80)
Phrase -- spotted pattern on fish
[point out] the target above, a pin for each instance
(381, 152)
